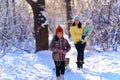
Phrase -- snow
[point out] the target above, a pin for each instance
(46, 21)
(34, 0)
(20, 65)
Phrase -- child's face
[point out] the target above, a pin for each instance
(59, 34)
(87, 23)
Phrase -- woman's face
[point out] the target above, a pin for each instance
(77, 22)
(59, 34)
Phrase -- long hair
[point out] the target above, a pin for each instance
(79, 24)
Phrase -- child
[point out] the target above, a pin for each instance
(87, 29)
(59, 46)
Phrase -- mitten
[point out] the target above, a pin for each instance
(83, 36)
(62, 51)
(79, 42)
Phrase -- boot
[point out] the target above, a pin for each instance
(58, 78)
(78, 65)
(61, 77)
(81, 64)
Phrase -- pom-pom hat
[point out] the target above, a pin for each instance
(59, 29)
(76, 18)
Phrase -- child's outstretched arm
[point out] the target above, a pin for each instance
(87, 31)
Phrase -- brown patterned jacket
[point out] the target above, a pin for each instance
(56, 46)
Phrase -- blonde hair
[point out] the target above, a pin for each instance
(88, 20)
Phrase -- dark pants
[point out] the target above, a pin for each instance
(60, 67)
(80, 47)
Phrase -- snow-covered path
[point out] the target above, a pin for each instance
(98, 66)
(19, 65)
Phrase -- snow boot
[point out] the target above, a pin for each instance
(78, 68)
(82, 62)
(79, 64)
(61, 77)
(58, 78)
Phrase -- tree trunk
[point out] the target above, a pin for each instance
(119, 10)
(41, 33)
(14, 15)
(109, 12)
(68, 12)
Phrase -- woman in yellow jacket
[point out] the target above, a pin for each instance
(76, 31)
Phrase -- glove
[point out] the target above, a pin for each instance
(62, 51)
(83, 36)
(80, 42)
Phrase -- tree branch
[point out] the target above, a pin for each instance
(30, 2)
(7, 39)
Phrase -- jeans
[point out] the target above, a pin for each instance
(80, 47)
(60, 67)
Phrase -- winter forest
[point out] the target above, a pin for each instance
(17, 22)
(28, 25)
(17, 26)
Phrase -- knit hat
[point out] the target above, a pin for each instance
(59, 29)
(76, 18)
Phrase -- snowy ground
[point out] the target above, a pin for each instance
(19, 65)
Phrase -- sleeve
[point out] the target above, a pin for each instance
(90, 30)
(67, 46)
(52, 46)
(72, 32)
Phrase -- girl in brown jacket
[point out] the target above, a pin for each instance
(59, 46)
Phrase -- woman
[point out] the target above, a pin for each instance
(78, 36)
(59, 46)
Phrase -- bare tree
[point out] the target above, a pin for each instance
(69, 14)
(41, 30)
(14, 16)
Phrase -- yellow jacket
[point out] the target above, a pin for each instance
(76, 33)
